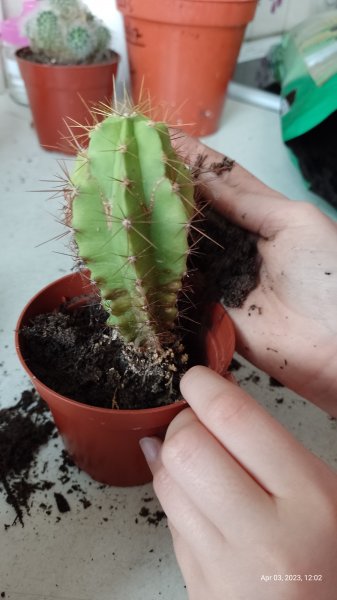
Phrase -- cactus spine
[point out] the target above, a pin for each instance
(131, 207)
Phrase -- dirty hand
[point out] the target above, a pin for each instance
(291, 333)
(252, 512)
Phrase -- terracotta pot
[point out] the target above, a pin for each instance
(105, 442)
(59, 93)
(183, 53)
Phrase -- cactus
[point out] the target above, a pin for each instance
(130, 205)
(80, 42)
(69, 9)
(47, 29)
(65, 32)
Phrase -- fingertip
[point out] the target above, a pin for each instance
(151, 448)
(191, 374)
(196, 378)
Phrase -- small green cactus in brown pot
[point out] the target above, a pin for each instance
(66, 32)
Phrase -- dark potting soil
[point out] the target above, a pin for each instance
(316, 151)
(76, 354)
(226, 260)
(24, 428)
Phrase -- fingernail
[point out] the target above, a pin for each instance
(150, 448)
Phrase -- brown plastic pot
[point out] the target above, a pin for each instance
(105, 442)
(183, 53)
(59, 93)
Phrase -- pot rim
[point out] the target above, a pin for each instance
(114, 58)
(200, 13)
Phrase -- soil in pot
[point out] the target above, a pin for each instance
(74, 353)
(27, 54)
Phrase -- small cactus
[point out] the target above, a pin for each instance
(130, 205)
(80, 42)
(67, 8)
(65, 32)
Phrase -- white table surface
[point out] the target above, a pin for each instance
(102, 553)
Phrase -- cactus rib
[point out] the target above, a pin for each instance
(131, 211)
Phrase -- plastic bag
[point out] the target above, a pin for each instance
(305, 64)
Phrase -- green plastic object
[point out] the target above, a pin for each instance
(131, 204)
(305, 64)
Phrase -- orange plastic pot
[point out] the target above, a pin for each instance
(65, 93)
(105, 442)
(183, 53)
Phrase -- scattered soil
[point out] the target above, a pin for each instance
(24, 428)
(316, 153)
(235, 365)
(153, 518)
(274, 382)
(61, 502)
(226, 260)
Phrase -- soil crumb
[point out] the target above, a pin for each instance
(153, 518)
(274, 382)
(235, 365)
(61, 502)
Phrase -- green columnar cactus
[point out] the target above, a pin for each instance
(130, 208)
(65, 32)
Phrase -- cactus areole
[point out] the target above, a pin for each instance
(130, 205)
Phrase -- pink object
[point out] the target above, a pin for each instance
(10, 29)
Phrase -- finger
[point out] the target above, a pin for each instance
(185, 520)
(257, 441)
(212, 480)
(191, 568)
(235, 192)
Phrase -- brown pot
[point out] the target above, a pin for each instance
(59, 93)
(183, 53)
(105, 442)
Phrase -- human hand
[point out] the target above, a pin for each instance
(245, 501)
(288, 324)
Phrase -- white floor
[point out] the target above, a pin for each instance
(108, 551)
